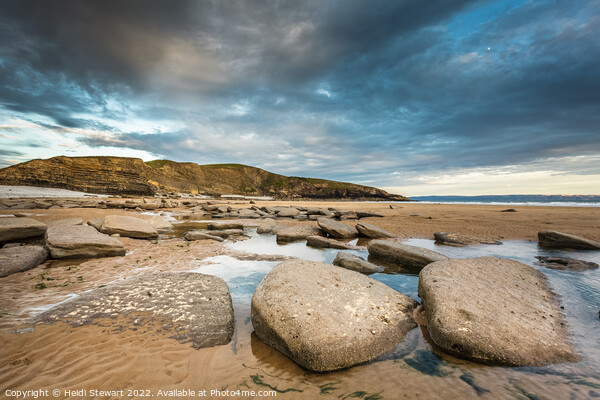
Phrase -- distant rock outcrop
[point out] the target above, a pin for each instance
(132, 176)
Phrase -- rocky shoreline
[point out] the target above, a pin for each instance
(324, 317)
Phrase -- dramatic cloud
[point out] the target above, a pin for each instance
(400, 94)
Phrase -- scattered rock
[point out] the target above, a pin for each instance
(198, 306)
(201, 235)
(21, 258)
(355, 263)
(24, 215)
(559, 240)
(337, 229)
(326, 318)
(148, 204)
(456, 239)
(80, 241)
(224, 225)
(65, 222)
(13, 228)
(494, 310)
(366, 214)
(565, 263)
(128, 226)
(373, 231)
(288, 212)
(403, 254)
(269, 226)
(246, 213)
(96, 223)
(298, 232)
(323, 242)
(162, 225)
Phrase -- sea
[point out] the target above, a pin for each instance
(517, 200)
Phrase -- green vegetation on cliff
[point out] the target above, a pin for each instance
(132, 176)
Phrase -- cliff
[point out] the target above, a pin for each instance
(132, 176)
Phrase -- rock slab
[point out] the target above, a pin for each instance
(559, 240)
(494, 310)
(128, 227)
(565, 263)
(327, 318)
(297, 232)
(14, 228)
(457, 239)
(198, 305)
(337, 229)
(403, 254)
(355, 263)
(21, 258)
(323, 242)
(80, 241)
(373, 231)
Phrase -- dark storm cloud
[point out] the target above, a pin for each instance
(343, 89)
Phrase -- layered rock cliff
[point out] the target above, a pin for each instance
(132, 176)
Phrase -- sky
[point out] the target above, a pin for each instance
(416, 97)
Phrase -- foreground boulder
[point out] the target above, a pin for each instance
(565, 263)
(559, 240)
(80, 241)
(128, 227)
(403, 254)
(355, 263)
(21, 258)
(14, 228)
(337, 229)
(494, 310)
(297, 232)
(326, 318)
(197, 305)
(457, 239)
(373, 231)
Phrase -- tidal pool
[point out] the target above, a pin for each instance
(417, 368)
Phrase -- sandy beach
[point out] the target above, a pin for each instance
(114, 355)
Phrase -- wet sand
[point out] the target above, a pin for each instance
(114, 355)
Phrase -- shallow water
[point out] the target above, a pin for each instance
(580, 293)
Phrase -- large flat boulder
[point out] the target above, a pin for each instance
(494, 310)
(21, 258)
(559, 240)
(80, 241)
(14, 228)
(197, 305)
(337, 229)
(326, 318)
(128, 227)
(297, 232)
(373, 231)
(403, 254)
(355, 263)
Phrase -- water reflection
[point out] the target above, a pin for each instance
(579, 291)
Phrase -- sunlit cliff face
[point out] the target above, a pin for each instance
(463, 97)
